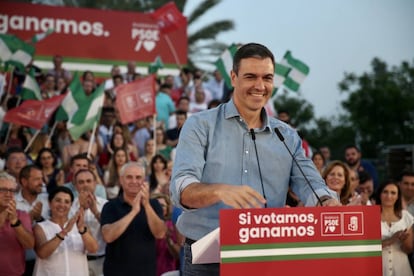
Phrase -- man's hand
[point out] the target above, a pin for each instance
(240, 197)
(36, 212)
(11, 212)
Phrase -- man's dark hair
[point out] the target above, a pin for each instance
(251, 50)
(405, 173)
(181, 112)
(12, 150)
(352, 147)
(79, 156)
(26, 170)
(364, 177)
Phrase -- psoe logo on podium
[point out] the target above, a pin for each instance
(353, 223)
(342, 224)
(331, 224)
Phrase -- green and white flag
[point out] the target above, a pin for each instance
(14, 51)
(80, 111)
(225, 64)
(30, 89)
(155, 66)
(38, 37)
(297, 74)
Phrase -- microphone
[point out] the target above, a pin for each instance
(258, 164)
(282, 139)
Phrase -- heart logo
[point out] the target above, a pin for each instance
(331, 228)
(149, 45)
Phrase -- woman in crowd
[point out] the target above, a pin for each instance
(117, 141)
(128, 141)
(158, 177)
(111, 175)
(145, 160)
(162, 148)
(168, 248)
(319, 161)
(48, 163)
(62, 243)
(396, 231)
(336, 176)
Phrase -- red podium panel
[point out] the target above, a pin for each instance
(338, 241)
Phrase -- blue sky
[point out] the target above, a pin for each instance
(331, 36)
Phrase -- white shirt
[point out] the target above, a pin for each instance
(94, 226)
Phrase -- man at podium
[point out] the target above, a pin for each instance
(235, 156)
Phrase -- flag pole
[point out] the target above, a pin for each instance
(170, 45)
(52, 131)
(154, 120)
(92, 139)
(19, 99)
(32, 140)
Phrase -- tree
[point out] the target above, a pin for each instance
(381, 106)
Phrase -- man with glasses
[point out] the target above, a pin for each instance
(15, 228)
(16, 159)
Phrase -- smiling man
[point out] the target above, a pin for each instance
(130, 225)
(231, 157)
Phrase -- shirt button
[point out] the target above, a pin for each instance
(247, 152)
(245, 171)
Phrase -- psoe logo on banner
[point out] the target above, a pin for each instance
(145, 35)
(353, 223)
(331, 224)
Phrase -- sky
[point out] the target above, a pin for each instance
(331, 36)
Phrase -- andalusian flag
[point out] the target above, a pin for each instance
(80, 111)
(225, 64)
(30, 89)
(14, 51)
(297, 74)
(155, 66)
(38, 37)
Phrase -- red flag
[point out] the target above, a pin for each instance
(33, 113)
(136, 100)
(169, 18)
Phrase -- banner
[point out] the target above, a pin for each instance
(136, 100)
(91, 36)
(33, 113)
(318, 241)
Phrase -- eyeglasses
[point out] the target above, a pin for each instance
(5, 191)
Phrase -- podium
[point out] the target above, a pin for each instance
(339, 241)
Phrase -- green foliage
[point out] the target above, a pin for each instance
(300, 111)
(381, 105)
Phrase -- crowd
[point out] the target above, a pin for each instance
(68, 207)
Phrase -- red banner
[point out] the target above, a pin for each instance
(338, 241)
(136, 100)
(33, 113)
(83, 34)
(169, 18)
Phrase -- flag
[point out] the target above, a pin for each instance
(14, 51)
(30, 89)
(225, 64)
(80, 111)
(33, 113)
(136, 100)
(154, 66)
(39, 37)
(298, 73)
(169, 18)
(281, 73)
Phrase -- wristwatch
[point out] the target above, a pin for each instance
(16, 224)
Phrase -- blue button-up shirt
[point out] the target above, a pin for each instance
(216, 146)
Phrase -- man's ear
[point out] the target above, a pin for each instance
(233, 77)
